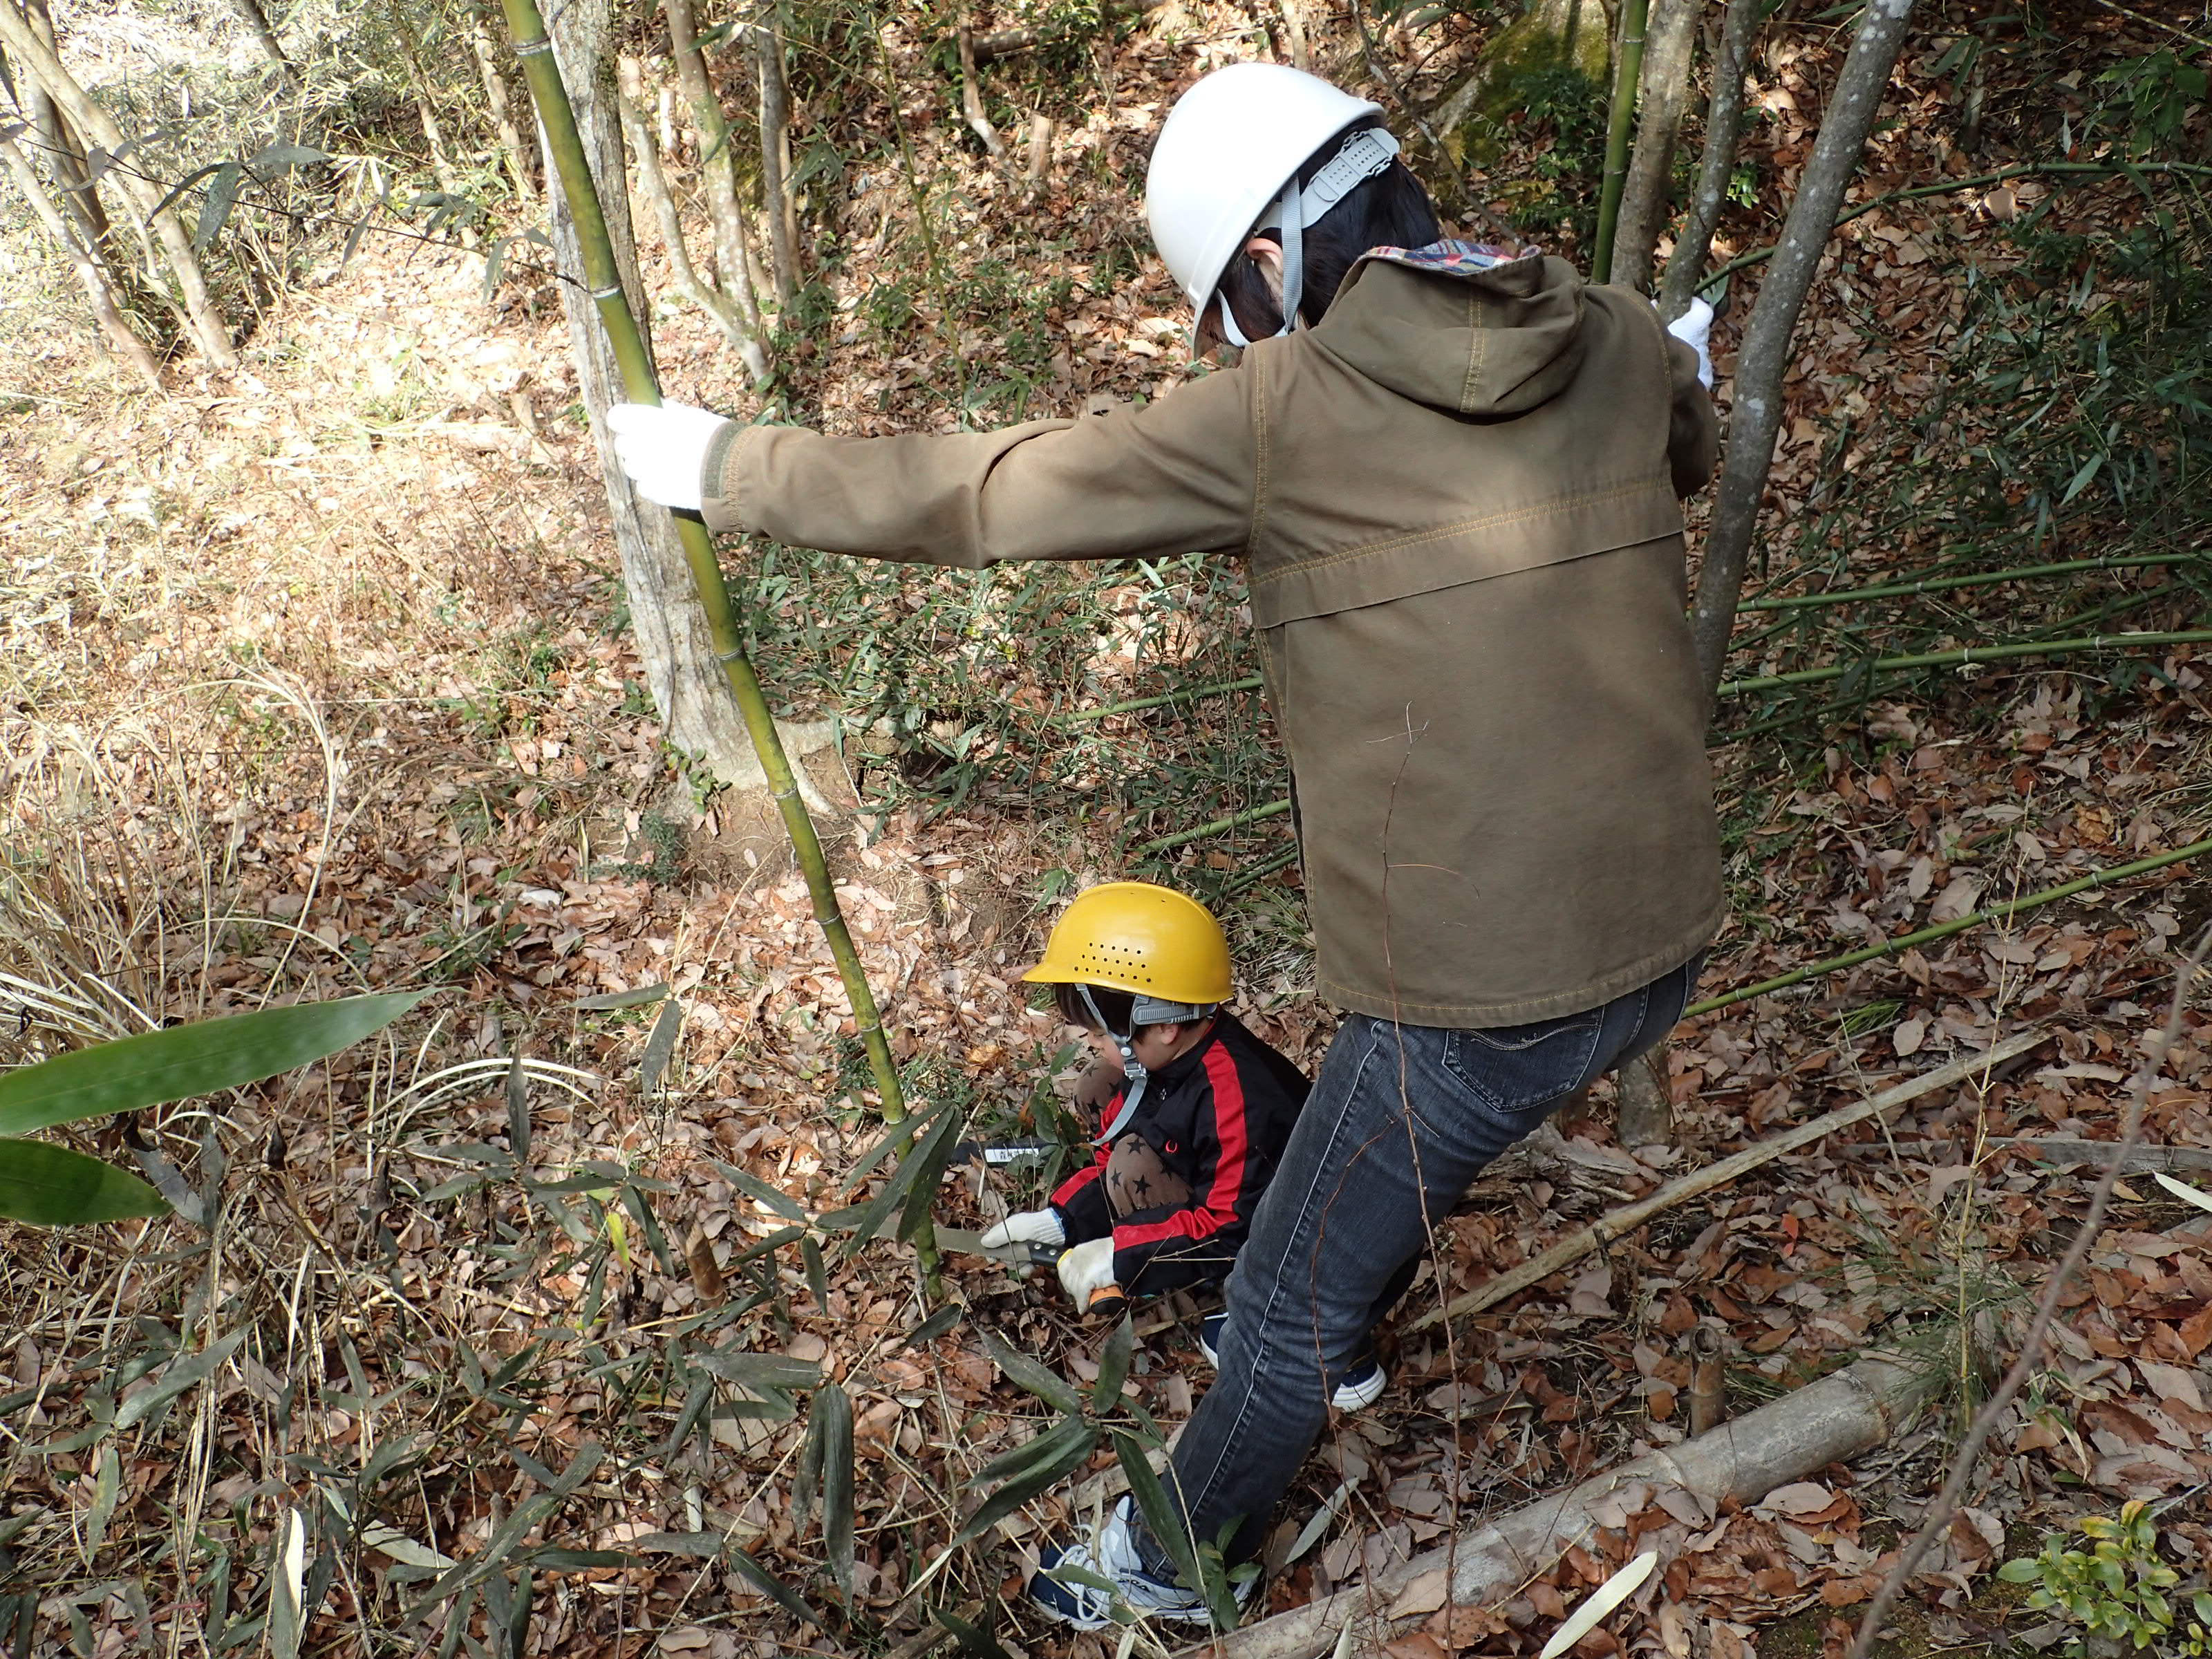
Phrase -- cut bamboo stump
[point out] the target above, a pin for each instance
(1842, 1416)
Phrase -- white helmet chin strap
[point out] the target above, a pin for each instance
(1363, 155)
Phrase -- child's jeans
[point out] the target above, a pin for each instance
(1400, 1122)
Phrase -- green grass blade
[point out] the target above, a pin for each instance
(201, 1059)
(51, 1186)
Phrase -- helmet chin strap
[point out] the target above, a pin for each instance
(1363, 155)
(1132, 1067)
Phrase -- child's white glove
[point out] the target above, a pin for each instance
(1086, 1270)
(664, 449)
(1691, 328)
(1026, 1227)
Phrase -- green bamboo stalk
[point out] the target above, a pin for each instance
(1981, 578)
(1971, 653)
(527, 28)
(1189, 694)
(1944, 930)
(1220, 826)
(1621, 123)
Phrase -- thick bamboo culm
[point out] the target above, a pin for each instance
(527, 28)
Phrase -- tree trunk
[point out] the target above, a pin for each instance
(775, 140)
(1628, 74)
(1685, 269)
(418, 82)
(512, 148)
(1670, 38)
(105, 312)
(654, 184)
(257, 25)
(1763, 359)
(43, 65)
(718, 164)
(673, 643)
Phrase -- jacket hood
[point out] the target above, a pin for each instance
(1490, 342)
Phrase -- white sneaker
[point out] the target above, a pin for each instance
(1099, 1579)
(1361, 1387)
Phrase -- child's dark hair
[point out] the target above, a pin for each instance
(1391, 209)
(1116, 1005)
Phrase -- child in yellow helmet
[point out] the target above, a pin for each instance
(1190, 1136)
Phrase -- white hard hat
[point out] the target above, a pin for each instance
(1229, 145)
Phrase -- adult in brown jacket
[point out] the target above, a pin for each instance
(1454, 482)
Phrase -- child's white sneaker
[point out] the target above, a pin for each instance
(1082, 1583)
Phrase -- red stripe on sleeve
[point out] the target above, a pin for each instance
(1219, 1207)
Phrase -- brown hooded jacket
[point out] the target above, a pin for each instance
(1457, 499)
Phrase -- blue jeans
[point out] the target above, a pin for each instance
(1400, 1122)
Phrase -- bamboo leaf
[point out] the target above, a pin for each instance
(287, 1619)
(834, 1407)
(518, 1111)
(936, 1325)
(659, 1046)
(1028, 1374)
(937, 1153)
(184, 1061)
(975, 1644)
(2183, 1191)
(51, 1186)
(106, 1487)
(933, 1149)
(900, 1134)
(758, 1370)
(753, 1186)
(772, 1587)
(1012, 1462)
(1163, 1519)
(214, 212)
(275, 158)
(611, 1000)
(1603, 1600)
(1114, 1364)
(181, 1374)
(180, 187)
(1072, 1443)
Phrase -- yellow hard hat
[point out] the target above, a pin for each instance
(1132, 936)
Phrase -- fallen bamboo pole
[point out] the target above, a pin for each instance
(1620, 1222)
(2005, 912)
(602, 278)
(1842, 1416)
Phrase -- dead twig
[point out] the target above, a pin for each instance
(1622, 1222)
(1946, 1505)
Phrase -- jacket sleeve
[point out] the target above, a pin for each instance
(1177, 476)
(1163, 1249)
(1692, 428)
(1081, 1202)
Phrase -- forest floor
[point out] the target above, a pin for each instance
(315, 682)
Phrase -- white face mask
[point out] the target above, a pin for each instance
(1363, 155)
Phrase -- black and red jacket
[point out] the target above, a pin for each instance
(1219, 1117)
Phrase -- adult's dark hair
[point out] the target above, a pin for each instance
(1391, 209)
(1116, 1005)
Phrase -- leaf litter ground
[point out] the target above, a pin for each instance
(313, 690)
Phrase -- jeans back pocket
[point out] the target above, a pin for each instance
(1515, 1067)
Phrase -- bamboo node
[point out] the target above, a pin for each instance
(531, 48)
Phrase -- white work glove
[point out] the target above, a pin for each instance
(1026, 1227)
(1691, 328)
(1086, 1270)
(664, 450)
